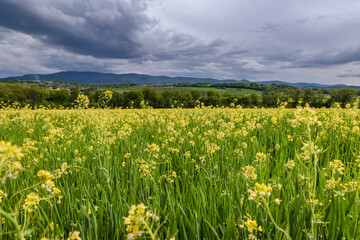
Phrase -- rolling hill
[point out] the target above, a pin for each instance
(134, 78)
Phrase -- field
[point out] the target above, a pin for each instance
(180, 173)
(203, 90)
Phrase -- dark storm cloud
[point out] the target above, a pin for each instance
(118, 29)
(103, 29)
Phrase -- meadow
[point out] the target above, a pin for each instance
(203, 173)
(202, 90)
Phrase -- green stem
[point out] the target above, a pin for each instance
(152, 235)
(267, 209)
(313, 191)
(13, 220)
(25, 189)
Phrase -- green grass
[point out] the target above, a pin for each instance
(187, 165)
(203, 90)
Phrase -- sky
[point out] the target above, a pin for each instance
(259, 40)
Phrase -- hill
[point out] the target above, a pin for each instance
(134, 78)
(110, 78)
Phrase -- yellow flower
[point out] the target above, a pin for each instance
(337, 166)
(137, 221)
(332, 183)
(2, 195)
(82, 101)
(249, 172)
(51, 225)
(262, 189)
(260, 157)
(56, 191)
(74, 235)
(48, 185)
(290, 138)
(31, 202)
(9, 151)
(290, 164)
(251, 225)
(44, 175)
(253, 194)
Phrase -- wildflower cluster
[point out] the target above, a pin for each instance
(46, 179)
(105, 98)
(305, 115)
(290, 164)
(308, 150)
(31, 202)
(82, 101)
(260, 157)
(74, 235)
(251, 226)
(9, 161)
(249, 173)
(337, 166)
(140, 222)
(260, 190)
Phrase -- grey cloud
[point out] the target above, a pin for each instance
(329, 57)
(301, 20)
(102, 30)
(269, 28)
(118, 29)
(349, 75)
(224, 39)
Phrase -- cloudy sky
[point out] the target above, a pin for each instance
(294, 41)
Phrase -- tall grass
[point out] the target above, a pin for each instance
(188, 167)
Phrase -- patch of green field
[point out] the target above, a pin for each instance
(203, 90)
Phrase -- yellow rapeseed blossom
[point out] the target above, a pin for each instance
(260, 157)
(31, 202)
(9, 151)
(305, 115)
(252, 227)
(259, 190)
(249, 172)
(2, 195)
(262, 189)
(9, 164)
(337, 166)
(82, 101)
(290, 164)
(137, 221)
(45, 175)
(48, 185)
(74, 235)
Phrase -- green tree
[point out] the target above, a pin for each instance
(270, 99)
(74, 93)
(343, 96)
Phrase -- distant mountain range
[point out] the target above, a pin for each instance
(133, 78)
(304, 84)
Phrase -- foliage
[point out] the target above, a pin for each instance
(35, 96)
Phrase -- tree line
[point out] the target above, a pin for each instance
(34, 96)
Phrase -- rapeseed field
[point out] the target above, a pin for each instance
(203, 173)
